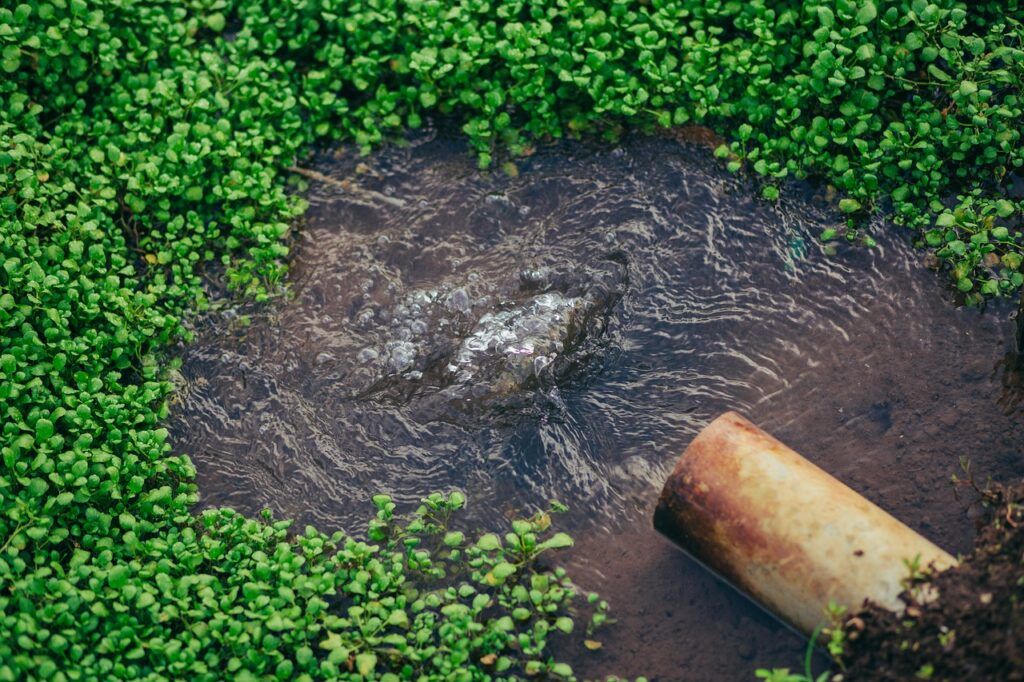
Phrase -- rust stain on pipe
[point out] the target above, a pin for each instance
(783, 530)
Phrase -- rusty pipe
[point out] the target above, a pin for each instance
(782, 530)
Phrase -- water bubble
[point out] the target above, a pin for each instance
(534, 276)
(459, 300)
(531, 325)
(367, 355)
(498, 200)
(524, 348)
(477, 342)
(401, 355)
(553, 302)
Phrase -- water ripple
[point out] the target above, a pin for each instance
(728, 302)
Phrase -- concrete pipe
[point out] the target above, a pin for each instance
(782, 530)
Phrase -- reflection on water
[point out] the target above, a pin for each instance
(563, 334)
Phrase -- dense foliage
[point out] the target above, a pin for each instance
(142, 140)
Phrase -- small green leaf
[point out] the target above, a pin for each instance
(562, 669)
(366, 663)
(849, 205)
(331, 642)
(118, 576)
(937, 73)
(556, 541)
(489, 542)
(215, 22)
(867, 13)
(44, 429)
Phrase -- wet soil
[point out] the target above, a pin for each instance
(974, 631)
(701, 298)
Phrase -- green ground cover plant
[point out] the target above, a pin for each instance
(141, 141)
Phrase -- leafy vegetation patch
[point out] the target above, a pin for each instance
(140, 141)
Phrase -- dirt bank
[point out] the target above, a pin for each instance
(975, 631)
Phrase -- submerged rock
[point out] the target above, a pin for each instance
(480, 340)
(511, 347)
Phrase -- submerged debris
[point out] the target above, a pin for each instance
(482, 340)
(524, 340)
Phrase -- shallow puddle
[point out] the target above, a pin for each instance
(563, 334)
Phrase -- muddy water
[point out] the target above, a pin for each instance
(563, 334)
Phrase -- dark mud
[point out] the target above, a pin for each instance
(690, 296)
(974, 631)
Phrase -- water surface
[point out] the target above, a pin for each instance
(563, 334)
